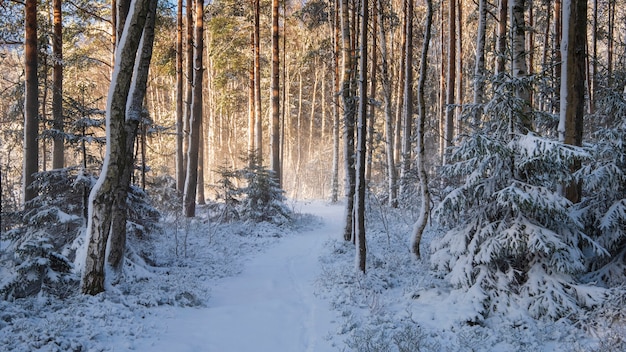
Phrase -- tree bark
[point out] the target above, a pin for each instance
(387, 100)
(275, 127)
(519, 66)
(501, 39)
(106, 193)
(31, 102)
(58, 152)
(479, 68)
(191, 181)
(407, 116)
(133, 118)
(180, 135)
(258, 130)
(336, 92)
(451, 79)
(362, 144)
(424, 213)
(348, 97)
(573, 84)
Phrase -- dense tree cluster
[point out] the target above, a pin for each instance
(506, 119)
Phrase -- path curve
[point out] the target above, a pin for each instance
(270, 306)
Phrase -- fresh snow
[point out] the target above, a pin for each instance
(239, 287)
(270, 306)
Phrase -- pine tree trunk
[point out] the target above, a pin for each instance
(479, 68)
(258, 118)
(407, 116)
(362, 144)
(573, 84)
(251, 102)
(387, 100)
(424, 213)
(451, 79)
(275, 125)
(108, 191)
(501, 39)
(336, 92)
(191, 181)
(31, 102)
(180, 165)
(372, 94)
(519, 66)
(58, 153)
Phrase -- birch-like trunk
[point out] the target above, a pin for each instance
(407, 115)
(361, 144)
(424, 213)
(106, 193)
(479, 68)
(180, 165)
(519, 66)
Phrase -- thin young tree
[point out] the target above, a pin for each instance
(407, 115)
(449, 122)
(424, 213)
(349, 112)
(180, 164)
(479, 65)
(387, 101)
(258, 122)
(334, 193)
(275, 106)
(191, 180)
(104, 194)
(58, 149)
(31, 102)
(573, 83)
(361, 150)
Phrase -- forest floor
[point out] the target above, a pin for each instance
(294, 287)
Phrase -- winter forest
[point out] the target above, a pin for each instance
(316, 175)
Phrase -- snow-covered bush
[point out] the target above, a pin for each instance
(603, 208)
(512, 240)
(260, 199)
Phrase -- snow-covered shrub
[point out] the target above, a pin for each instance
(603, 207)
(512, 240)
(259, 199)
(37, 257)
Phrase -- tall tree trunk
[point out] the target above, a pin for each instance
(362, 144)
(556, 54)
(275, 126)
(106, 193)
(58, 153)
(200, 199)
(400, 95)
(251, 101)
(189, 86)
(133, 118)
(451, 79)
(501, 39)
(594, 58)
(348, 97)
(180, 165)
(479, 65)
(336, 91)
(31, 102)
(189, 198)
(386, 86)
(519, 66)
(573, 84)
(407, 116)
(258, 118)
(610, 42)
(420, 224)
(372, 94)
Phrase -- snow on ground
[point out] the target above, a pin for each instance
(291, 288)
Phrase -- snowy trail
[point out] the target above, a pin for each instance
(268, 307)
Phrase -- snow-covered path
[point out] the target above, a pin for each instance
(269, 307)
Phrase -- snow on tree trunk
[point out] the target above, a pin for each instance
(386, 86)
(362, 144)
(519, 66)
(348, 96)
(424, 212)
(407, 116)
(107, 189)
(117, 240)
